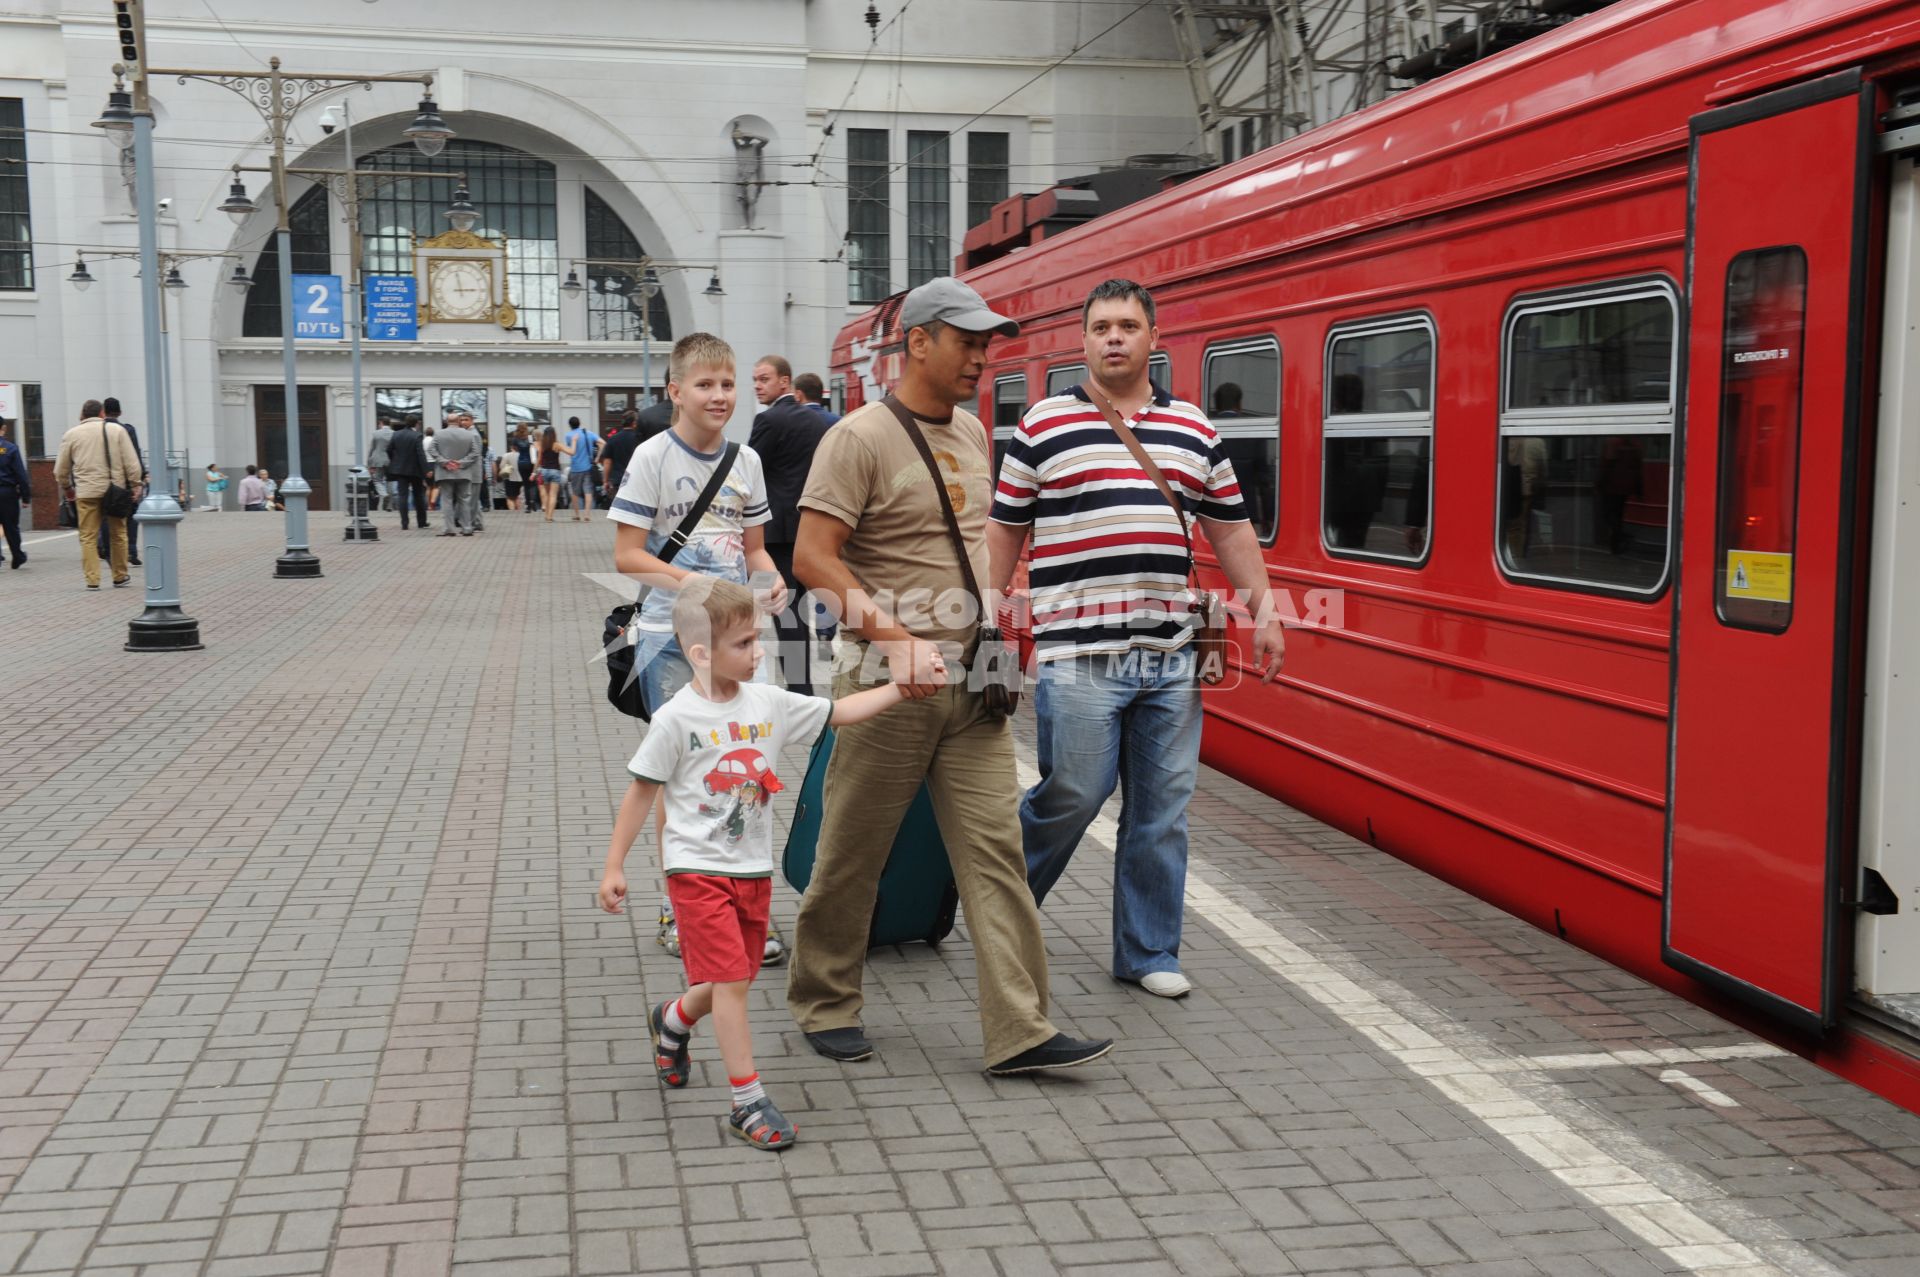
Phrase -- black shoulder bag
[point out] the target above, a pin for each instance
(118, 502)
(623, 683)
(996, 667)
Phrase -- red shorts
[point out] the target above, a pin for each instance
(723, 925)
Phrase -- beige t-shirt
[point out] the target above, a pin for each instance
(867, 474)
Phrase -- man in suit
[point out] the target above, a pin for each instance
(377, 462)
(15, 491)
(456, 452)
(809, 390)
(407, 468)
(784, 435)
(111, 407)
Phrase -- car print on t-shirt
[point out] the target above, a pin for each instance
(743, 781)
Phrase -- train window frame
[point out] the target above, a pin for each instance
(1589, 420)
(1163, 362)
(1001, 437)
(1250, 427)
(1057, 369)
(1379, 425)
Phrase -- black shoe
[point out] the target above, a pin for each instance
(451, 533)
(93, 585)
(125, 580)
(845, 1045)
(426, 527)
(464, 534)
(1057, 1052)
(20, 561)
(133, 562)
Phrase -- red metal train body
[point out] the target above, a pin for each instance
(1567, 370)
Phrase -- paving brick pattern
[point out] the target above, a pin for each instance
(299, 973)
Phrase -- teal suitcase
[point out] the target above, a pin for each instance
(917, 899)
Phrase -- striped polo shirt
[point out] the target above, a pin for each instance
(1108, 570)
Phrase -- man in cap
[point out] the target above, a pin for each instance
(873, 538)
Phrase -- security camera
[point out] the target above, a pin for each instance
(166, 202)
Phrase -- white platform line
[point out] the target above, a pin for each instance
(1687, 1082)
(1486, 1081)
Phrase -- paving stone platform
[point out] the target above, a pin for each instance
(300, 973)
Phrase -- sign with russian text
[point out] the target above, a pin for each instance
(317, 308)
(393, 310)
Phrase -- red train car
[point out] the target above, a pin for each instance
(1587, 376)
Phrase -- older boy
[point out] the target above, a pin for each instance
(711, 749)
(664, 477)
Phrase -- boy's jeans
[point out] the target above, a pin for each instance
(1134, 718)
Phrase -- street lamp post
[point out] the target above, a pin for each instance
(163, 625)
(645, 272)
(278, 98)
(348, 186)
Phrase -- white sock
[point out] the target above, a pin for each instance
(675, 1023)
(746, 1090)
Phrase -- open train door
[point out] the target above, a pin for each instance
(1759, 788)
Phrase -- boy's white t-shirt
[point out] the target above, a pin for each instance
(662, 482)
(715, 764)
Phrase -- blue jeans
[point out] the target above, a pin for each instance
(664, 675)
(1133, 718)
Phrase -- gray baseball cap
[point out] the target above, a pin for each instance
(953, 302)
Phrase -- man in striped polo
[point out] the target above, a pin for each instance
(1118, 699)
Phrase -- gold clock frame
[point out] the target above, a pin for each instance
(504, 314)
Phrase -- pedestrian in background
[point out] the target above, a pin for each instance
(94, 456)
(377, 461)
(581, 447)
(807, 388)
(407, 468)
(253, 493)
(785, 435)
(110, 409)
(458, 451)
(15, 491)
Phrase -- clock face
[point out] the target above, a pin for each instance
(460, 290)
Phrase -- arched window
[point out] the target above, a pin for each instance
(312, 255)
(613, 303)
(514, 195)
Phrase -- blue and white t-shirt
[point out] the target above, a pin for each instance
(663, 481)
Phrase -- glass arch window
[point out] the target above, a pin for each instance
(312, 255)
(514, 195)
(613, 303)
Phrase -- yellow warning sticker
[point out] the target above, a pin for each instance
(1753, 574)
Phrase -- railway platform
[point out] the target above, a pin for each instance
(302, 975)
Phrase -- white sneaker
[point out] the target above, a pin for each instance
(1166, 984)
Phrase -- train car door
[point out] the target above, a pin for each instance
(1759, 805)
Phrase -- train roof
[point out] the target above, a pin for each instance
(1406, 157)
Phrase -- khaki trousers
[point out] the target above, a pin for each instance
(89, 511)
(966, 757)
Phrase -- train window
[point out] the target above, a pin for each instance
(1377, 476)
(1586, 438)
(1243, 402)
(1062, 379)
(1760, 438)
(838, 396)
(1009, 405)
(1160, 370)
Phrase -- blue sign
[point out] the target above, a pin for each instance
(393, 312)
(317, 308)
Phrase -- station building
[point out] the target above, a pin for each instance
(781, 164)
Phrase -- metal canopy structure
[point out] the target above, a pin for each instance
(1264, 70)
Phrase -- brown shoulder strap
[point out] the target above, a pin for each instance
(1127, 437)
(904, 416)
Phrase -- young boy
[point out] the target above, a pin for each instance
(665, 475)
(712, 749)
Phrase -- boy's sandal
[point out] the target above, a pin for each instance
(672, 1067)
(762, 1125)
